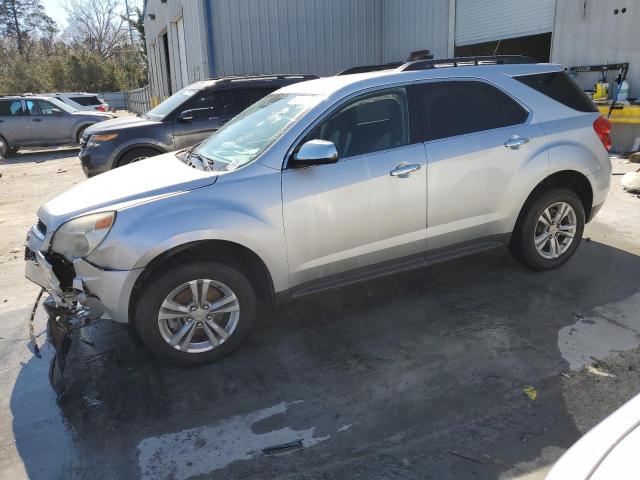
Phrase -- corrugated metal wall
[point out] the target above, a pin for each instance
(411, 25)
(166, 16)
(281, 36)
(323, 36)
(589, 32)
(489, 20)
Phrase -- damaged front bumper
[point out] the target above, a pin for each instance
(79, 293)
(104, 293)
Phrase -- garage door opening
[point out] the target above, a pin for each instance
(534, 46)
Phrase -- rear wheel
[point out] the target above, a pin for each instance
(196, 313)
(137, 155)
(550, 231)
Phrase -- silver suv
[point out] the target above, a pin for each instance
(38, 120)
(324, 183)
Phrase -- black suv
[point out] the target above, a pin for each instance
(184, 119)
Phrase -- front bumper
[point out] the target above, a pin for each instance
(106, 293)
(96, 160)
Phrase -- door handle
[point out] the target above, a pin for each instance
(36, 119)
(515, 142)
(405, 169)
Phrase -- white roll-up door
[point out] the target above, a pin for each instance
(479, 21)
(182, 53)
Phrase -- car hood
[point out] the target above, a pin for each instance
(120, 123)
(92, 115)
(123, 187)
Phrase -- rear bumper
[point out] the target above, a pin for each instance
(106, 293)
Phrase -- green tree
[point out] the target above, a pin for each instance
(22, 19)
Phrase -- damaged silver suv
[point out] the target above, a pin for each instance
(324, 183)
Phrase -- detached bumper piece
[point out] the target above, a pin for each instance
(61, 324)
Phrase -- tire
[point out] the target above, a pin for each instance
(137, 155)
(79, 135)
(549, 254)
(195, 346)
(5, 150)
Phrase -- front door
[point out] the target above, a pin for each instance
(477, 140)
(47, 122)
(359, 214)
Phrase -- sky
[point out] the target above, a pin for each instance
(55, 9)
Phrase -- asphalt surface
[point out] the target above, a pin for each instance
(413, 376)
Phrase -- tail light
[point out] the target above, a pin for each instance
(101, 108)
(602, 127)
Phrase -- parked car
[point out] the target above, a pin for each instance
(41, 121)
(184, 119)
(325, 183)
(82, 101)
(608, 451)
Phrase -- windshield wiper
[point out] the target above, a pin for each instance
(206, 163)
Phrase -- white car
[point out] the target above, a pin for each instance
(81, 101)
(608, 451)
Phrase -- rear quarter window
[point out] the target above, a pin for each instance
(86, 101)
(558, 86)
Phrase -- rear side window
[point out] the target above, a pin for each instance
(10, 108)
(455, 108)
(87, 101)
(561, 88)
(248, 97)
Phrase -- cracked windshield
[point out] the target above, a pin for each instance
(253, 131)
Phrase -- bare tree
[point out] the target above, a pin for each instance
(97, 25)
(21, 19)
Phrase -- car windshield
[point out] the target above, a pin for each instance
(254, 130)
(170, 104)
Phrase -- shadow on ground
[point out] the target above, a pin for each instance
(39, 155)
(418, 375)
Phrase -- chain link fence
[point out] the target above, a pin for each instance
(139, 100)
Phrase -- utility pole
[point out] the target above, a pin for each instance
(126, 6)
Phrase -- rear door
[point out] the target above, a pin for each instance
(210, 111)
(48, 123)
(477, 139)
(13, 123)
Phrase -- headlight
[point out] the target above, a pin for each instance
(94, 140)
(81, 236)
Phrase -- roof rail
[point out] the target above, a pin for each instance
(279, 76)
(465, 62)
(370, 68)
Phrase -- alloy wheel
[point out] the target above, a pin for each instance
(555, 230)
(198, 315)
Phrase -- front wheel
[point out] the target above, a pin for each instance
(136, 155)
(196, 313)
(550, 231)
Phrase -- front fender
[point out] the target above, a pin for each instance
(246, 211)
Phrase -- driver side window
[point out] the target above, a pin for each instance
(370, 123)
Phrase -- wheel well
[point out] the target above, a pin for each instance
(81, 129)
(138, 147)
(230, 253)
(570, 179)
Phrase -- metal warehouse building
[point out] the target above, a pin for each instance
(190, 40)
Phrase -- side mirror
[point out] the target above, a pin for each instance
(185, 116)
(57, 112)
(315, 152)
